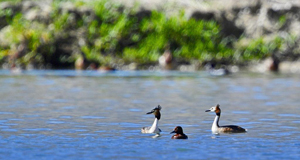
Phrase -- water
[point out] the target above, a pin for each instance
(98, 115)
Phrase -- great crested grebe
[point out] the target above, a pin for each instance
(223, 129)
(212, 70)
(179, 133)
(154, 128)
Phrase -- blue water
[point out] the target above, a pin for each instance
(98, 115)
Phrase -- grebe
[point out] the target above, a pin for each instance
(154, 128)
(223, 129)
(179, 133)
(212, 70)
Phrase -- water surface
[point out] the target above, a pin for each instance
(97, 115)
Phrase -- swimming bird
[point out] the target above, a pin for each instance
(154, 128)
(212, 70)
(223, 129)
(179, 133)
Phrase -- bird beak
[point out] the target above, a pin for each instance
(150, 112)
(172, 132)
(207, 111)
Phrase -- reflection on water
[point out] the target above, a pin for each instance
(97, 115)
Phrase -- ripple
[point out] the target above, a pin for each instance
(28, 134)
(261, 97)
(257, 89)
(268, 113)
(6, 113)
(40, 105)
(55, 122)
(129, 124)
(37, 129)
(267, 119)
(9, 130)
(80, 130)
(127, 95)
(288, 127)
(288, 115)
(238, 89)
(31, 116)
(271, 104)
(4, 126)
(16, 119)
(135, 110)
(60, 100)
(43, 82)
(137, 101)
(69, 107)
(241, 112)
(88, 134)
(92, 117)
(65, 117)
(252, 122)
(75, 89)
(207, 122)
(10, 124)
(3, 121)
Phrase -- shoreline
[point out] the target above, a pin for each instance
(59, 35)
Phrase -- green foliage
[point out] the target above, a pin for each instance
(258, 48)
(189, 39)
(7, 13)
(13, 1)
(148, 38)
(26, 35)
(113, 32)
(107, 32)
(60, 20)
(3, 53)
(282, 20)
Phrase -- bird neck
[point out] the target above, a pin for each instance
(216, 121)
(157, 115)
(154, 125)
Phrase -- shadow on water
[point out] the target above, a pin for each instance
(97, 115)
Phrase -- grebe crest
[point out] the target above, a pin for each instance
(215, 109)
(154, 128)
(223, 129)
(156, 112)
(179, 133)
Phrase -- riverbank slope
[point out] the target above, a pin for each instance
(137, 34)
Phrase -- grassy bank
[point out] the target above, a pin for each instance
(111, 35)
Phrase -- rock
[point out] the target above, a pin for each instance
(204, 15)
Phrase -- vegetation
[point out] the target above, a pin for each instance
(114, 33)
(258, 48)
